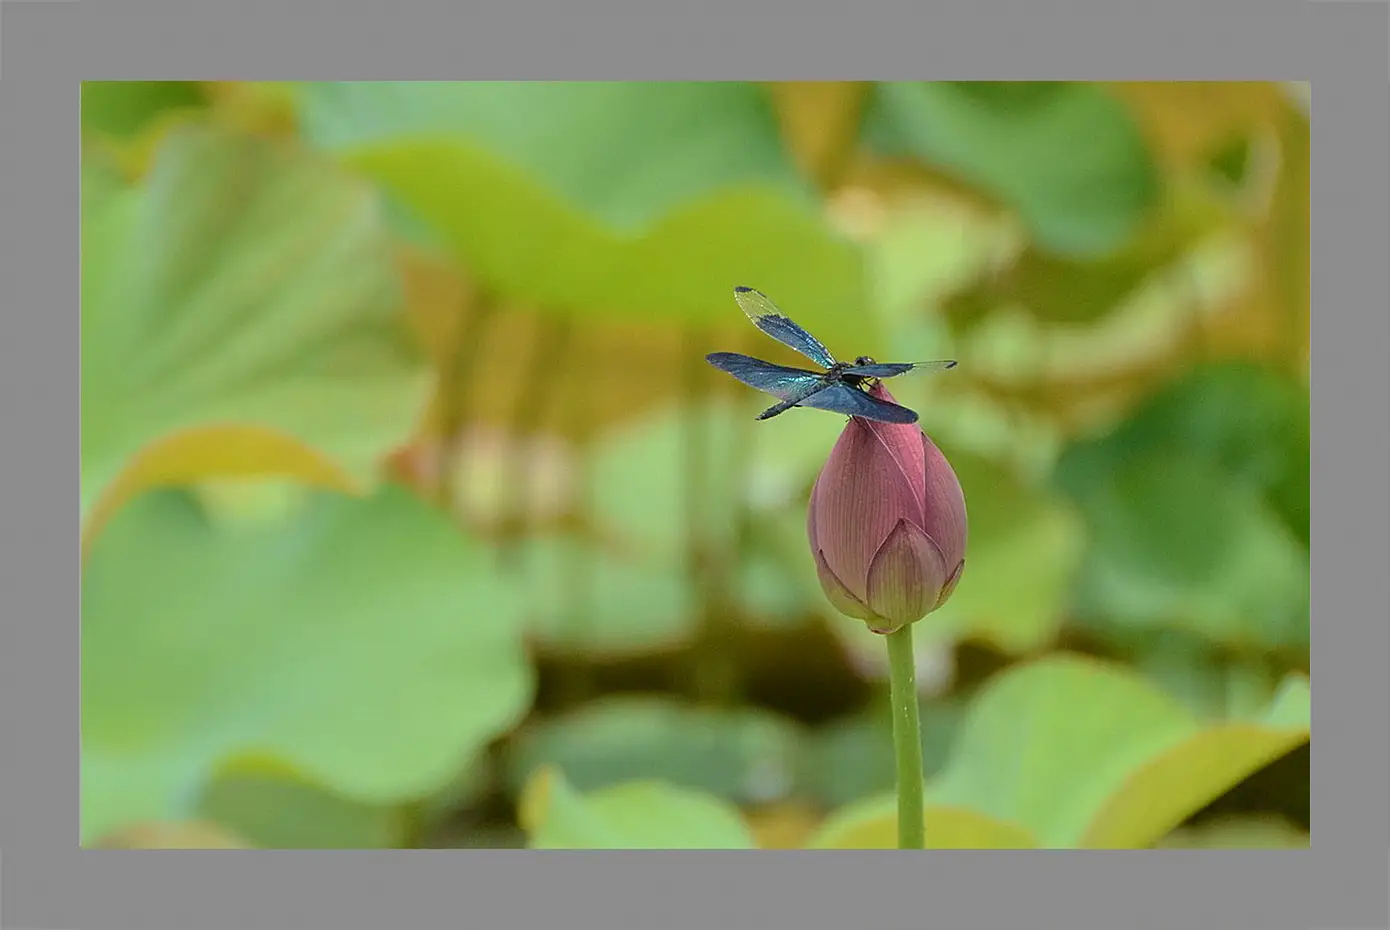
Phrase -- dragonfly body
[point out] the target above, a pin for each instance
(841, 386)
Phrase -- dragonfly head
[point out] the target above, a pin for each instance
(864, 360)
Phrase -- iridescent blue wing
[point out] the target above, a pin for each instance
(842, 398)
(779, 380)
(767, 317)
(890, 369)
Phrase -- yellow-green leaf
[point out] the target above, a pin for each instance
(636, 199)
(1084, 753)
(873, 824)
(632, 815)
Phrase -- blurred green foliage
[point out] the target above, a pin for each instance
(412, 515)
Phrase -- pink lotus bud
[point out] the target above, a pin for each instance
(887, 524)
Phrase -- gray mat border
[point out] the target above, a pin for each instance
(46, 47)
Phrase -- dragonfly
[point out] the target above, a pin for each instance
(842, 387)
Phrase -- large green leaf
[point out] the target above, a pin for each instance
(1176, 542)
(644, 814)
(1198, 506)
(1067, 157)
(367, 646)
(625, 152)
(1082, 753)
(239, 315)
(744, 756)
(1249, 421)
(639, 198)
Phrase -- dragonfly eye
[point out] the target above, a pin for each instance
(864, 360)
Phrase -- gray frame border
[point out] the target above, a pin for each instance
(47, 47)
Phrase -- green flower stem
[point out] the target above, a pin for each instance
(908, 747)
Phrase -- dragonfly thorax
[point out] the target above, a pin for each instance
(839, 371)
(839, 368)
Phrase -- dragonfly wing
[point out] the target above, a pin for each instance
(842, 398)
(768, 318)
(890, 369)
(794, 398)
(779, 380)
